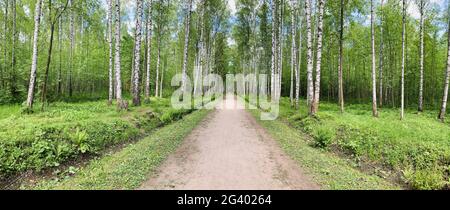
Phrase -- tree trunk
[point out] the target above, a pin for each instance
(309, 70)
(110, 43)
(59, 88)
(121, 104)
(316, 100)
(446, 83)
(149, 47)
(374, 77)
(186, 46)
(13, 82)
(72, 45)
(137, 54)
(421, 65)
(381, 56)
(34, 60)
(158, 63)
(274, 49)
(402, 114)
(297, 71)
(294, 49)
(341, 59)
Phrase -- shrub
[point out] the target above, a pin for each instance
(323, 137)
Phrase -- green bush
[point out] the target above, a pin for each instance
(323, 138)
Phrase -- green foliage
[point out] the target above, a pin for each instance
(417, 146)
(47, 139)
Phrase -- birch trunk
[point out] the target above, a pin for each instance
(110, 42)
(341, 59)
(137, 54)
(294, 49)
(421, 6)
(374, 77)
(316, 100)
(309, 54)
(280, 50)
(117, 59)
(274, 49)
(297, 72)
(446, 83)
(149, 42)
(381, 56)
(72, 45)
(59, 90)
(402, 114)
(186, 46)
(158, 63)
(34, 60)
(13, 85)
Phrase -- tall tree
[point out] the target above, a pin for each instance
(309, 54)
(137, 53)
(186, 46)
(402, 109)
(274, 49)
(110, 43)
(421, 53)
(374, 76)
(293, 48)
(149, 42)
(380, 92)
(447, 78)
(121, 104)
(72, 45)
(53, 20)
(341, 58)
(316, 100)
(297, 70)
(34, 59)
(13, 80)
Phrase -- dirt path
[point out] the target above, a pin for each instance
(229, 151)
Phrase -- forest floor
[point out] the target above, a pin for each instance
(229, 150)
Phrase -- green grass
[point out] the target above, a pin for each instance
(64, 131)
(8, 110)
(131, 166)
(415, 151)
(327, 169)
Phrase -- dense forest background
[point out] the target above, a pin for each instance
(237, 39)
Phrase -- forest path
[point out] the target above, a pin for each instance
(229, 150)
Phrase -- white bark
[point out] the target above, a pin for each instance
(374, 77)
(274, 49)
(316, 100)
(402, 110)
(110, 42)
(421, 6)
(149, 47)
(186, 46)
(293, 49)
(309, 54)
(297, 72)
(117, 53)
(34, 60)
(137, 53)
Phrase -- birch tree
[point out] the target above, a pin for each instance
(380, 92)
(149, 47)
(34, 59)
(316, 100)
(110, 43)
(297, 70)
(121, 104)
(293, 49)
(72, 45)
(13, 85)
(374, 77)
(421, 55)
(309, 54)
(137, 54)
(446, 80)
(274, 49)
(186, 46)
(341, 59)
(402, 114)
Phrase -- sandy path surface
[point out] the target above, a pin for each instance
(229, 151)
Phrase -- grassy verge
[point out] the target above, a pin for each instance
(66, 131)
(131, 166)
(414, 152)
(327, 169)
